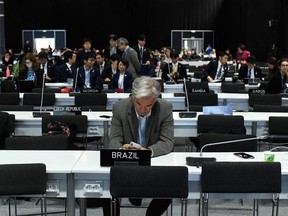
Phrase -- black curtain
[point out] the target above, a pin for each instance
(234, 22)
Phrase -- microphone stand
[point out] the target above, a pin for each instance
(40, 113)
(75, 84)
(198, 161)
(187, 114)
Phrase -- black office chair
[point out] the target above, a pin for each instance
(270, 108)
(55, 142)
(278, 131)
(198, 100)
(241, 178)
(91, 102)
(7, 127)
(248, 143)
(220, 124)
(46, 90)
(78, 125)
(161, 81)
(264, 99)
(23, 180)
(197, 87)
(149, 182)
(233, 87)
(35, 100)
(16, 107)
(11, 98)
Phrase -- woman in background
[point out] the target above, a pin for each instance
(122, 80)
(28, 68)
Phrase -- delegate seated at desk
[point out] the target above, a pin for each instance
(216, 70)
(250, 70)
(174, 70)
(145, 119)
(88, 77)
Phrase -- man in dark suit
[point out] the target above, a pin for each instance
(46, 68)
(88, 77)
(145, 119)
(250, 70)
(68, 69)
(100, 62)
(142, 51)
(174, 70)
(216, 70)
(112, 48)
(86, 48)
(130, 55)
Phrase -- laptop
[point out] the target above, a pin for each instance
(218, 110)
(116, 157)
(25, 85)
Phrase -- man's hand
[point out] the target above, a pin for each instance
(129, 146)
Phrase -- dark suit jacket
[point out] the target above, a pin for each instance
(159, 132)
(128, 80)
(276, 84)
(107, 73)
(211, 70)
(134, 65)
(51, 71)
(107, 53)
(64, 72)
(95, 80)
(169, 68)
(243, 72)
(146, 54)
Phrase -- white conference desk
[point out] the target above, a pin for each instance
(256, 123)
(70, 173)
(59, 164)
(237, 101)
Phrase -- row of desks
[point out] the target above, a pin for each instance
(256, 123)
(237, 101)
(70, 172)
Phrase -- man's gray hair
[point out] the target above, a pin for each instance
(145, 86)
(122, 40)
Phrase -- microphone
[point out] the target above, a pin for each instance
(198, 161)
(75, 84)
(278, 147)
(187, 114)
(40, 113)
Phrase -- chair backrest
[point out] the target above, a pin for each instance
(35, 99)
(233, 87)
(47, 90)
(16, 107)
(78, 121)
(91, 99)
(53, 142)
(221, 124)
(197, 87)
(11, 98)
(22, 179)
(264, 99)
(237, 146)
(241, 177)
(149, 181)
(161, 82)
(7, 126)
(270, 108)
(198, 100)
(278, 125)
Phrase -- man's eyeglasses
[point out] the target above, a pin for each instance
(284, 65)
(28, 62)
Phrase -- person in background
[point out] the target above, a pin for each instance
(29, 68)
(272, 67)
(122, 80)
(88, 77)
(250, 70)
(241, 55)
(7, 61)
(278, 81)
(110, 71)
(68, 69)
(100, 63)
(174, 70)
(86, 48)
(112, 48)
(46, 68)
(146, 119)
(130, 55)
(142, 51)
(216, 70)
(27, 47)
